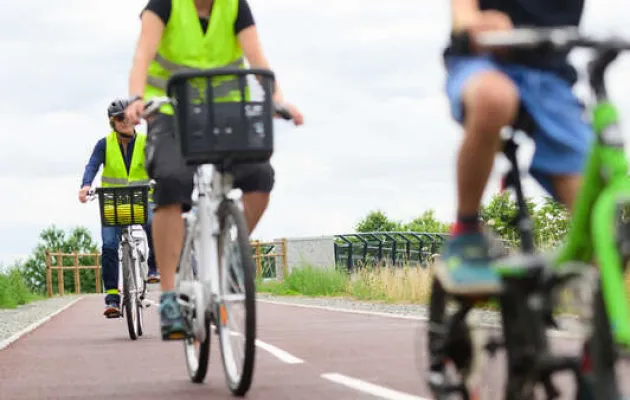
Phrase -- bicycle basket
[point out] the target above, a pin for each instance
(216, 119)
(123, 206)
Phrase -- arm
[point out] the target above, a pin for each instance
(248, 39)
(146, 47)
(463, 13)
(94, 163)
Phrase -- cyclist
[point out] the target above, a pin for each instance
(487, 92)
(190, 34)
(122, 155)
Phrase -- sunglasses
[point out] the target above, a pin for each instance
(119, 117)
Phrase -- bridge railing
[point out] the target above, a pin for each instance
(387, 248)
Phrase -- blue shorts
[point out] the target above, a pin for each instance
(562, 136)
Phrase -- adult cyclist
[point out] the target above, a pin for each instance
(178, 34)
(486, 92)
(122, 155)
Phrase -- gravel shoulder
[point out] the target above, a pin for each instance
(15, 320)
(567, 323)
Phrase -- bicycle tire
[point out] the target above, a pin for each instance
(602, 351)
(241, 384)
(128, 302)
(198, 368)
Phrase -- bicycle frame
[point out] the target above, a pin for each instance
(203, 227)
(134, 243)
(606, 185)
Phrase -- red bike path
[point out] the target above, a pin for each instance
(305, 353)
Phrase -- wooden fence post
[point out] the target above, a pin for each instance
(60, 272)
(258, 260)
(97, 274)
(77, 282)
(285, 262)
(48, 274)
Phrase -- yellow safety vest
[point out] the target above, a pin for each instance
(115, 173)
(184, 46)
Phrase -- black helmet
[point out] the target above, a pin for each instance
(117, 107)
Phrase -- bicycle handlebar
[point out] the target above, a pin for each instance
(561, 38)
(558, 39)
(154, 104)
(91, 194)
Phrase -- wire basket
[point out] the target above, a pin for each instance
(124, 206)
(214, 130)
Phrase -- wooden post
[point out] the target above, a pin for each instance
(60, 272)
(77, 282)
(97, 274)
(48, 274)
(285, 262)
(258, 260)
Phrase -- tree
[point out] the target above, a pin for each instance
(377, 221)
(427, 222)
(54, 239)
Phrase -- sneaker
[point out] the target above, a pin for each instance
(464, 266)
(153, 277)
(112, 306)
(172, 322)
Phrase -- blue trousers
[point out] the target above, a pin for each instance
(109, 259)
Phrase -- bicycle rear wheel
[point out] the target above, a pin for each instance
(130, 293)
(236, 285)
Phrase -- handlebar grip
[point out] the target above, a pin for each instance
(282, 112)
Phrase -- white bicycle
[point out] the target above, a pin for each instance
(127, 207)
(215, 273)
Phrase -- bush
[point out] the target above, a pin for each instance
(13, 289)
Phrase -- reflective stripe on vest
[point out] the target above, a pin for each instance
(221, 90)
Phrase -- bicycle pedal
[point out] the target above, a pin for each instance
(146, 303)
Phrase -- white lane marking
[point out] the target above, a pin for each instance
(278, 353)
(550, 332)
(36, 324)
(370, 388)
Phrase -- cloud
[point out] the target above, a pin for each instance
(368, 78)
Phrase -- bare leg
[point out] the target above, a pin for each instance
(168, 231)
(491, 102)
(254, 204)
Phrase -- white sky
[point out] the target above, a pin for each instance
(367, 75)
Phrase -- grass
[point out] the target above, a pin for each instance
(13, 290)
(400, 285)
(391, 285)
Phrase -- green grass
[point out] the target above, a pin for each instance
(13, 290)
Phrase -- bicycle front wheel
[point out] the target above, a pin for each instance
(236, 314)
(130, 292)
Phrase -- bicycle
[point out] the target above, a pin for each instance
(127, 207)
(216, 265)
(531, 282)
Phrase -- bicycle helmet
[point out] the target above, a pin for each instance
(116, 107)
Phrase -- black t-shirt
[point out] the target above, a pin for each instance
(244, 19)
(540, 13)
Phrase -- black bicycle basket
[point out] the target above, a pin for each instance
(124, 206)
(213, 128)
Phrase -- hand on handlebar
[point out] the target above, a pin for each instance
(134, 111)
(83, 194)
(289, 111)
(488, 20)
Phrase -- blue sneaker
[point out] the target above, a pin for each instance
(464, 267)
(172, 322)
(112, 306)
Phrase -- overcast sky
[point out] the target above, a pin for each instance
(367, 75)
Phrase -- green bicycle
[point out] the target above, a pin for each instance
(531, 283)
